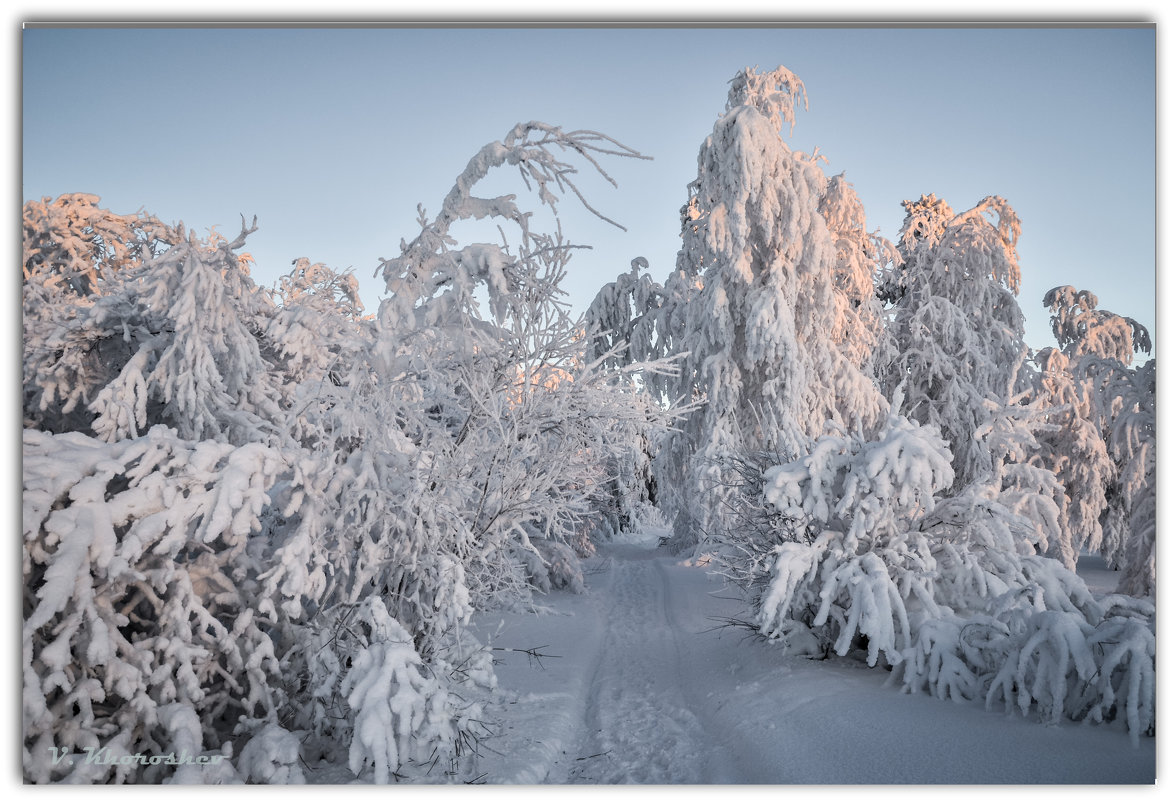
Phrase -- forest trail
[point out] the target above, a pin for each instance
(642, 720)
(644, 686)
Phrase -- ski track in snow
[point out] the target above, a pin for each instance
(646, 691)
(641, 726)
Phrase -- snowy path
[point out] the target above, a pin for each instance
(644, 691)
(641, 722)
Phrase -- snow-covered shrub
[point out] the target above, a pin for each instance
(1124, 649)
(1052, 647)
(138, 594)
(1025, 628)
(937, 662)
(399, 711)
(271, 757)
(371, 692)
(562, 565)
(947, 589)
(868, 569)
(1070, 666)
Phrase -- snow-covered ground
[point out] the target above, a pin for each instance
(644, 686)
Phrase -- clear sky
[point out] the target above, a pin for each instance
(331, 137)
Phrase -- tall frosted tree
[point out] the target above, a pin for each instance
(773, 329)
(956, 326)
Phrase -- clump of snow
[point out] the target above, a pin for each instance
(271, 757)
(562, 564)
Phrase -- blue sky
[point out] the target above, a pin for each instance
(333, 136)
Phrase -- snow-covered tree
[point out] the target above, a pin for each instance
(1075, 449)
(1101, 443)
(320, 321)
(533, 420)
(625, 321)
(72, 245)
(629, 322)
(861, 258)
(1130, 523)
(917, 540)
(174, 339)
(881, 556)
(956, 325)
(1082, 329)
(251, 512)
(777, 328)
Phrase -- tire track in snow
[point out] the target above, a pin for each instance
(641, 726)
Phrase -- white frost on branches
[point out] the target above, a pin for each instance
(776, 331)
(250, 513)
(944, 587)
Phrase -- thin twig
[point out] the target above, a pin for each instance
(534, 653)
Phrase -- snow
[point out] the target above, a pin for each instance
(313, 533)
(1100, 578)
(644, 685)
